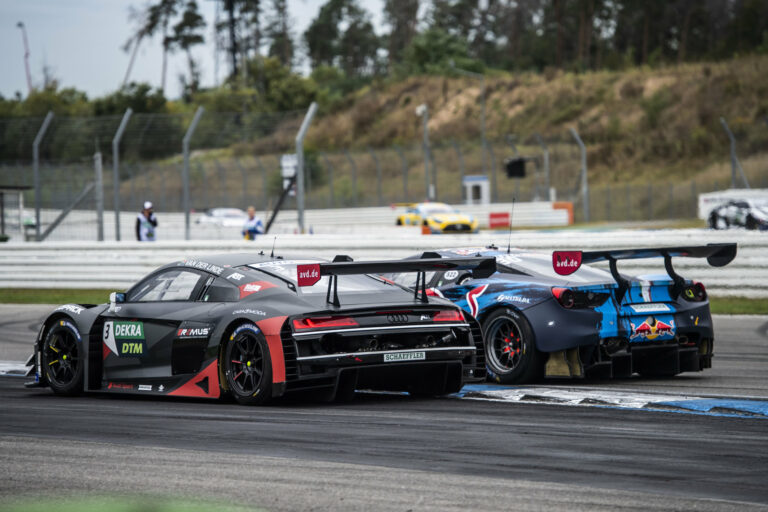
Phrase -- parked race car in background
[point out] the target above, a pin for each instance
(553, 315)
(438, 217)
(226, 217)
(743, 213)
(256, 327)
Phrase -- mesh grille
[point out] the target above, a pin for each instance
(289, 353)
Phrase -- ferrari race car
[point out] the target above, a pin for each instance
(438, 217)
(256, 327)
(552, 315)
(748, 214)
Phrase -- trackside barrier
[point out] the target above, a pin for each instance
(117, 265)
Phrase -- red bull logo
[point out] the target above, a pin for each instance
(651, 329)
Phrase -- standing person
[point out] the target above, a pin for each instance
(253, 225)
(146, 222)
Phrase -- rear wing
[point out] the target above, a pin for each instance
(309, 274)
(717, 255)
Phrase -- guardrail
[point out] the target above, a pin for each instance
(118, 265)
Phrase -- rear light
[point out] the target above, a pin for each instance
(695, 292)
(322, 322)
(564, 296)
(450, 315)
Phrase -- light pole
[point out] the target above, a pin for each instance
(423, 112)
(26, 54)
(481, 77)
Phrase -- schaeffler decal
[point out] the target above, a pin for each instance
(125, 338)
(472, 297)
(244, 327)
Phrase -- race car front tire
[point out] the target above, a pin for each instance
(62, 358)
(248, 366)
(510, 352)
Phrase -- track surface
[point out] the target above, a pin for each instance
(394, 452)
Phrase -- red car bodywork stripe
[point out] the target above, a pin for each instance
(191, 387)
(271, 329)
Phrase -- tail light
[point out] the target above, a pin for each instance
(564, 296)
(449, 315)
(322, 322)
(695, 292)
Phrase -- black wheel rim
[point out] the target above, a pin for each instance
(62, 357)
(246, 363)
(506, 345)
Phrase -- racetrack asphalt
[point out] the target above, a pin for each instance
(393, 452)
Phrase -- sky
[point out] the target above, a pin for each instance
(81, 42)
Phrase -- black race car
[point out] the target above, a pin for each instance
(257, 327)
(741, 213)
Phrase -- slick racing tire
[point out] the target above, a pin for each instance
(713, 220)
(62, 358)
(510, 353)
(751, 223)
(248, 366)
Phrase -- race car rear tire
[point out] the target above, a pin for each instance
(713, 220)
(399, 222)
(248, 366)
(751, 223)
(510, 352)
(62, 358)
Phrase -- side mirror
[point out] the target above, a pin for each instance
(115, 298)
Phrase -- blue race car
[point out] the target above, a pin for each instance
(552, 315)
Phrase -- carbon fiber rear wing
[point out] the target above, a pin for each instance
(309, 274)
(717, 255)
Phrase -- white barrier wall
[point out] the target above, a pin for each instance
(118, 265)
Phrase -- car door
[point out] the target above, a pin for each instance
(138, 335)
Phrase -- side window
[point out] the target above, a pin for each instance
(449, 277)
(173, 284)
(221, 290)
(408, 279)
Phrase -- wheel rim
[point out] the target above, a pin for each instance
(246, 362)
(506, 345)
(62, 357)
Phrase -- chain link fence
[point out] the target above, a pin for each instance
(235, 162)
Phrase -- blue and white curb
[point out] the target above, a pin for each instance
(621, 399)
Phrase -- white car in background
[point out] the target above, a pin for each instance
(226, 217)
(747, 213)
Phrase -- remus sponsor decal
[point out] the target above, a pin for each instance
(193, 332)
(125, 338)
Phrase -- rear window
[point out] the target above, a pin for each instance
(532, 263)
(286, 269)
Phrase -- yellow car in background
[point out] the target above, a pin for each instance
(438, 217)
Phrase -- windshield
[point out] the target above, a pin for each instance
(542, 264)
(433, 208)
(360, 283)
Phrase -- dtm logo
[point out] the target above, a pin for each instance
(125, 338)
(194, 332)
(651, 329)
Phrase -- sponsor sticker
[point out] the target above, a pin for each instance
(203, 265)
(651, 329)
(254, 287)
(451, 275)
(308, 274)
(248, 311)
(119, 385)
(244, 327)
(566, 262)
(145, 387)
(193, 332)
(650, 308)
(125, 338)
(513, 298)
(71, 308)
(404, 356)
(235, 276)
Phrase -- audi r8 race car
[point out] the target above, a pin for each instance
(742, 213)
(256, 327)
(438, 217)
(553, 315)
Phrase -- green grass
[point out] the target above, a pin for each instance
(53, 296)
(719, 305)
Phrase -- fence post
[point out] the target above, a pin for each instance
(244, 177)
(423, 111)
(222, 181)
(185, 171)
(545, 161)
(495, 192)
(460, 156)
(331, 198)
(404, 162)
(116, 168)
(354, 176)
(735, 164)
(300, 163)
(36, 168)
(99, 195)
(584, 182)
(378, 175)
(650, 201)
